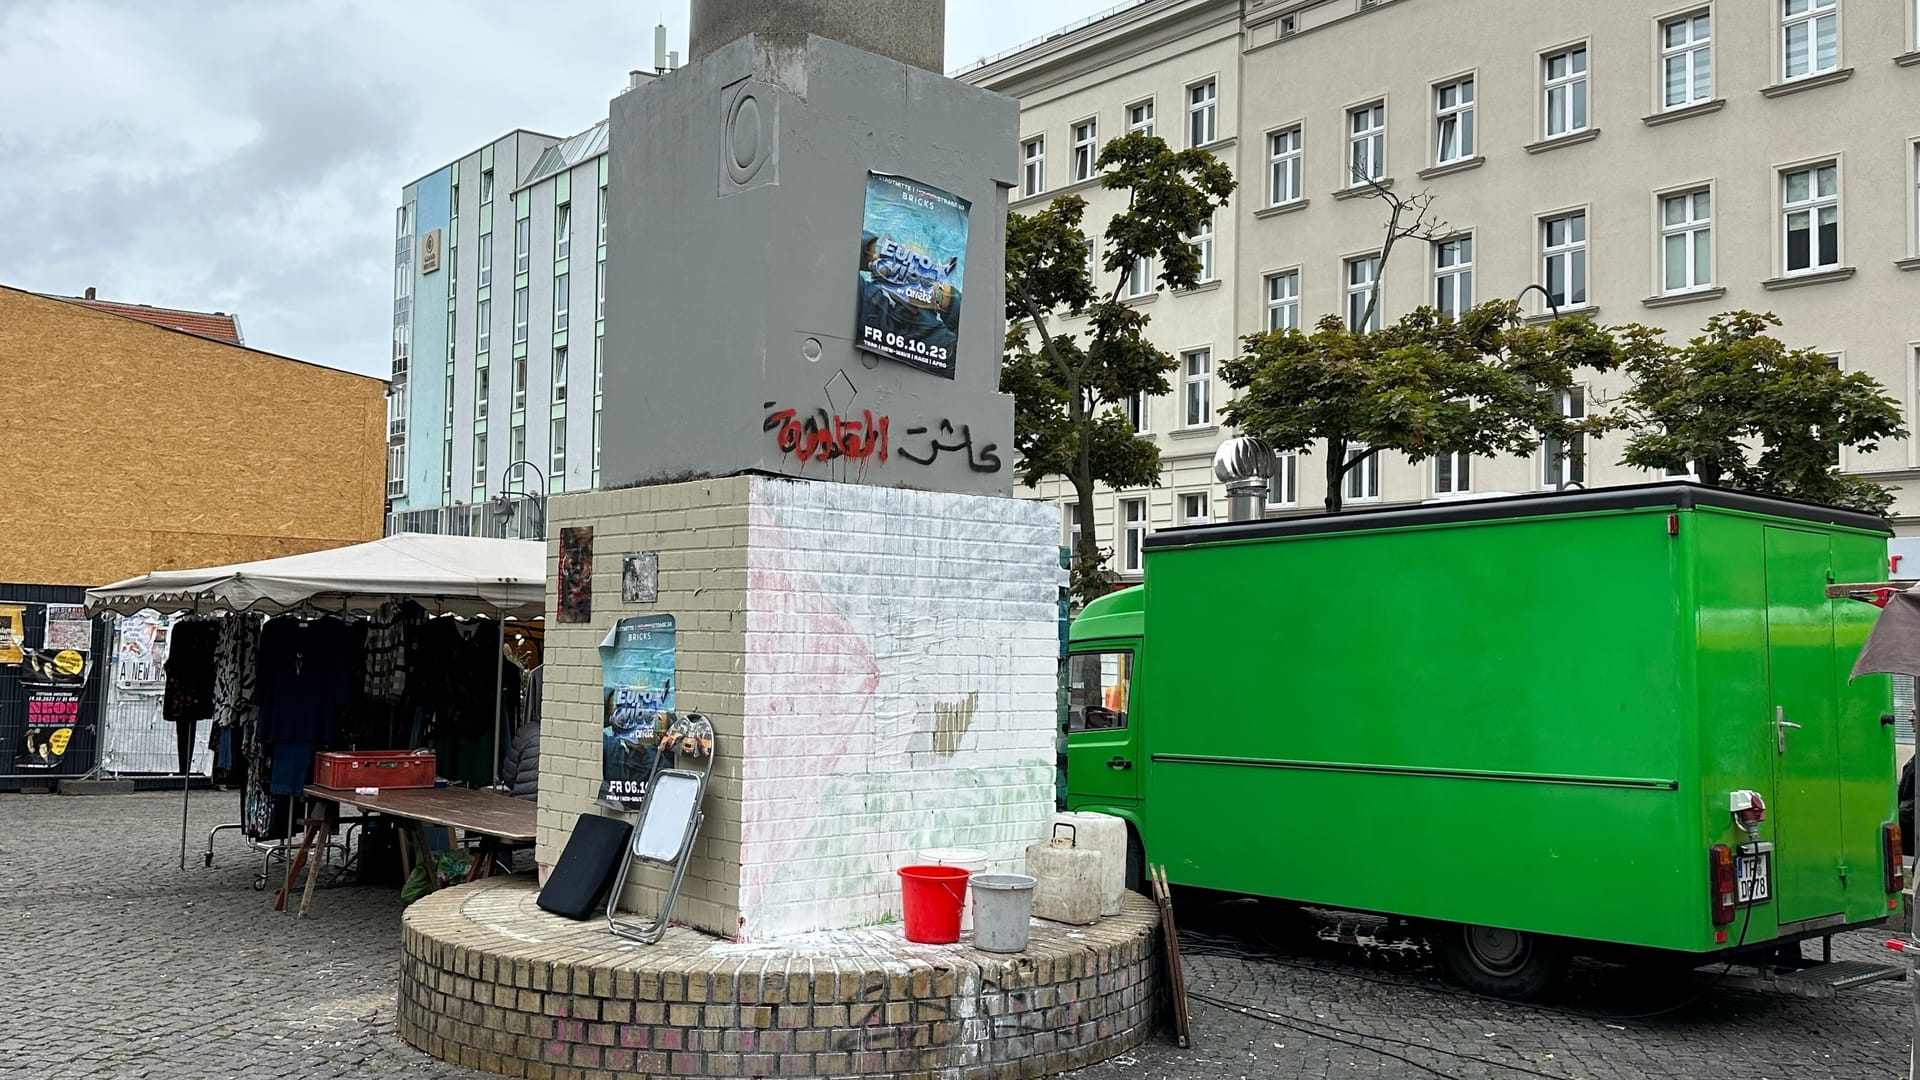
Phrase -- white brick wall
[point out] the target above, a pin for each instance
(867, 608)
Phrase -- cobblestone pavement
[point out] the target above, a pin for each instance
(125, 966)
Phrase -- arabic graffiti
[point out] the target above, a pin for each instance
(866, 438)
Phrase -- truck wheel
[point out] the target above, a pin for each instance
(1501, 963)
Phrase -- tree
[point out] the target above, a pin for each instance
(1738, 408)
(1483, 384)
(1067, 387)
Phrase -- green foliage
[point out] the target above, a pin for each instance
(1427, 385)
(1744, 410)
(1067, 387)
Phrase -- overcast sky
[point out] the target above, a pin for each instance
(246, 155)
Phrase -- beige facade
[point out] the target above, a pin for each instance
(1645, 163)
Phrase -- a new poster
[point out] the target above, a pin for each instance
(913, 257)
(636, 696)
(52, 714)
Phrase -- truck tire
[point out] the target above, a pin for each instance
(1512, 964)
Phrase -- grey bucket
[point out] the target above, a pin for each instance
(1002, 910)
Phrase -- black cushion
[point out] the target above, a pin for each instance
(579, 881)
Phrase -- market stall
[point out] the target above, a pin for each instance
(397, 644)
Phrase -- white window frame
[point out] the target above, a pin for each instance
(1573, 113)
(1366, 146)
(1188, 501)
(480, 459)
(601, 209)
(1693, 54)
(1086, 148)
(519, 368)
(1133, 534)
(522, 308)
(1453, 281)
(1574, 251)
(559, 375)
(1283, 299)
(1070, 523)
(486, 186)
(397, 470)
(1283, 488)
(1033, 166)
(556, 448)
(483, 326)
(1196, 388)
(600, 290)
(562, 301)
(522, 245)
(1812, 205)
(1807, 15)
(1139, 283)
(1691, 231)
(1286, 165)
(1358, 289)
(397, 411)
(1139, 116)
(482, 392)
(486, 259)
(562, 231)
(1458, 468)
(1137, 409)
(1572, 404)
(1362, 484)
(1203, 241)
(1455, 121)
(1203, 112)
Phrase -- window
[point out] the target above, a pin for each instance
(560, 299)
(1084, 149)
(519, 387)
(560, 375)
(519, 316)
(1033, 166)
(480, 459)
(1283, 171)
(1194, 509)
(1565, 259)
(1367, 143)
(1686, 241)
(600, 289)
(1453, 275)
(1197, 366)
(603, 215)
(1283, 300)
(1201, 128)
(1562, 463)
(1140, 280)
(557, 448)
(596, 445)
(562, 230)
(1138, 414)
(396, 470)
(1203, 245)
(1363, 480)
(522, 238)
(1097, 688)
(1809, 37)
(483, 321)
(402, 347)
(1071, 514)
(1453, 121)
(1283, 487)
(402, 280)
(1133, 516)
(598, 342)
(397, 411)
(1810, 205)
(1686, 60)
(486, 259)
(1363, 279)
(517, 451)
(1452, 474)
(482, 392)
(1140, 117)
(486, 186)
(1566, 90)
(403, 222)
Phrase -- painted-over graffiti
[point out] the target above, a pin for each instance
(823, 436)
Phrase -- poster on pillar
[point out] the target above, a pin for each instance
(636, 699)
(913, 257)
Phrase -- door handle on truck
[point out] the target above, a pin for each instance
(1119, 763)
(1780, 726)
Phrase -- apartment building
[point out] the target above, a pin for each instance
(1643, 161)
(499, 295)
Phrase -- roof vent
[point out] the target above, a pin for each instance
(1245, 465)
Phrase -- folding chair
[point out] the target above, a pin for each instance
(670, 817)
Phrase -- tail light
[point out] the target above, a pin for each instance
(1891, 858)
(1725, 893)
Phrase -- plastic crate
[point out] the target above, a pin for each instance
(374, 768)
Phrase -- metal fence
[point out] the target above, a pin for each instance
(519, 518)
(35, 748)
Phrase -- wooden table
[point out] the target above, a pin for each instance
(500, 821)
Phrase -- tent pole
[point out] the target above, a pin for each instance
(185, 798)
(499, 689)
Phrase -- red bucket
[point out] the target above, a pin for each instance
(931, 898)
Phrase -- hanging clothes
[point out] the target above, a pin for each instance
(386, 654)
(233, 680)
(190, 666)
(304, 684)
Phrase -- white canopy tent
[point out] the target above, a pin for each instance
(457, 575)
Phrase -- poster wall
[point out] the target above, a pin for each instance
(636, 694)
(13, 632)
(53, 712)
(67, 628)
(913, 257)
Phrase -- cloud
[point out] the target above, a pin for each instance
(247, 155)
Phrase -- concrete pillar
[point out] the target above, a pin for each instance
(910, 31)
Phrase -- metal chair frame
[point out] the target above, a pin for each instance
(651, 848)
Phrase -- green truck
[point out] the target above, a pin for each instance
(1536, 726)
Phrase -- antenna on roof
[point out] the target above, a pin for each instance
(660, 47)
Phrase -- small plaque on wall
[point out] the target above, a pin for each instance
(576, 575)
(640, 577)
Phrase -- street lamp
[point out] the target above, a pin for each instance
(503, 502)
(1544, 295)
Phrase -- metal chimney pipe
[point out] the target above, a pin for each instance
(1245, 465)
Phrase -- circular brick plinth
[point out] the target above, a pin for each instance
(491, 982)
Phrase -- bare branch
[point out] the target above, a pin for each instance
(1419, 227)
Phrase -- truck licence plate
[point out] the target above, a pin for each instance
(1753, 875)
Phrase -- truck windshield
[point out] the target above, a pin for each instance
(1098, 685)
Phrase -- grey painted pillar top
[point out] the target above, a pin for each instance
(910, 31)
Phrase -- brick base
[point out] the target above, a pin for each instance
(489, 981)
